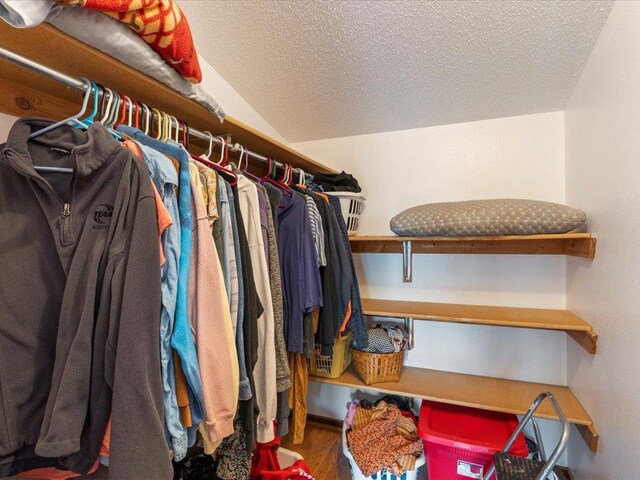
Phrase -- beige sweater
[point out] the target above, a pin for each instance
(211, 324)
(264, 373)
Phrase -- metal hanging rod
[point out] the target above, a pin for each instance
(78, 84)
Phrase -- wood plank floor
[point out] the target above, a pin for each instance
(322, 450)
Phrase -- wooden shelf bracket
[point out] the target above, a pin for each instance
(590, 436)
(587, 340)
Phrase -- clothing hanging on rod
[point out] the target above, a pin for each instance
(165, 295)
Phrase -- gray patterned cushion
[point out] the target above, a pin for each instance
(487, 218)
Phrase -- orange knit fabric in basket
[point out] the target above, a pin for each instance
(160, 23)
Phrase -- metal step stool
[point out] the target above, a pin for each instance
(509, 467)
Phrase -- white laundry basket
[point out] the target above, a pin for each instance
(352, 206)
(356, 474)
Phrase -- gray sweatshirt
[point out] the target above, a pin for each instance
(80, 300)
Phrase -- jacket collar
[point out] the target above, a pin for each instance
(89, 149)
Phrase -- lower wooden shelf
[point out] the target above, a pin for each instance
(486, 393)
(515, 317)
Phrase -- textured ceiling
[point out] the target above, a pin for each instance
(322, 69)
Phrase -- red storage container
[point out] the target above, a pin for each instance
(460, 442)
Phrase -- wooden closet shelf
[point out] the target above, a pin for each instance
(486, 393)
(29, 93)
(536, 318)
(575, 244)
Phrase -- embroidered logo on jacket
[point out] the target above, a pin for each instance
(102, 216)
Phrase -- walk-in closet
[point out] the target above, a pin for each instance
(319, 240)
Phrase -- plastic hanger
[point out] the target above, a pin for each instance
(282, 183)
(286, 178)
(185, 134)
(106, 107)
(218, 168)
(123, 111)
(147, 119)
(207, 154)
(176, 124)
(269, 178)
(73, 119)
(168, 124)
(158, 134)
(112, 115)
(241, 148)
(96, 96)
(289, 180)
(245, 170)
(269, 168)
(223, 151)
(99, 91)
(165, 126)
(130, 112)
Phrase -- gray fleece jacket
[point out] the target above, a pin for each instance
(80, 300)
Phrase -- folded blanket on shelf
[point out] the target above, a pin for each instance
(160, 23)
(120, 42)
(116, 39)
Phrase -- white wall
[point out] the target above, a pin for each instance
(521, 157)
(232, 102)
(603, 167)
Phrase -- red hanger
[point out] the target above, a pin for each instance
(137, 117)
(267, 178)
(123, 111)
(185, 134)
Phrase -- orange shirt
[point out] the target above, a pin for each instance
(182, 392)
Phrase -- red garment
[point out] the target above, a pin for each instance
(297, 471)
(51, 473)
(55, 474)
(265, 464)
(160, 23)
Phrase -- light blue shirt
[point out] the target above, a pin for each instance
(165, 178)
(182, 337)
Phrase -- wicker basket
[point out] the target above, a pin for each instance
(378, 367)
(335, 365)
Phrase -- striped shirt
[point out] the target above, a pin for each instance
(317, 229)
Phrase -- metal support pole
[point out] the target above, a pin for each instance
(407, 262)
(408, 327)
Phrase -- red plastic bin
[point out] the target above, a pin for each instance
(460, 442)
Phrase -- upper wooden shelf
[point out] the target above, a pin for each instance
(486, 393)
(575, 244)
(29, 93)
(536, 318)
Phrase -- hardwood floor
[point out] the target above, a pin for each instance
(322, 450)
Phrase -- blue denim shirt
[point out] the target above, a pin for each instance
(357, 322)
(165, 178)
(182, 337)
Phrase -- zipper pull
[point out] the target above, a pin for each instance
(67, 211)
